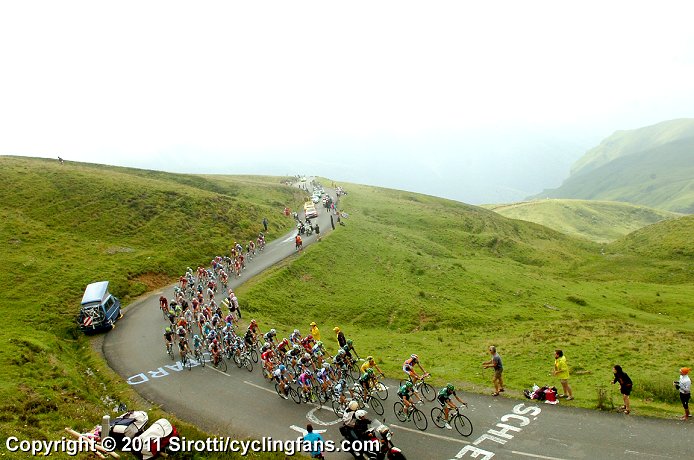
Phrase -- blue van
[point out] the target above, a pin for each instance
(100, 310)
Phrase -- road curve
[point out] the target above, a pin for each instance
(244, 404)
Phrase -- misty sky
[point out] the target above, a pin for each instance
(475, 101)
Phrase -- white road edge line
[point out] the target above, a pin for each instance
(641, 453)
(210, 366)
(535, 455)
(259, 387)
(438, 436)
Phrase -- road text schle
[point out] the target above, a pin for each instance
(502, 432)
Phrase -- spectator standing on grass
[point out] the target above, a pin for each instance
(498, 367)
(685, 387)
(340, 336)
(561, 371)
(265, 222)
(316, 441)
(332, 222)
(625, 386)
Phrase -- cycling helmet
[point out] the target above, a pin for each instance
(353, 405)
(369, 358)
(266, 345)
(413, 356)
(383, 430)
(370, 371)
(215, 341)
(349, 342)
(341, 352)
(196, 337)
(360, 414)
(168, 329)
(282, 368)
(409, 384)
(296, 347)
(307, 356)
(309, 373)
(326, 366)
(309, 337)
(229, 325)
(253, 322)
(319, 343)
(273, 332)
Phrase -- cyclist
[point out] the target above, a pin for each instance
(295, 337)
(253, 327)
(444, 398)
(408, 367)
(270, 336)
(295, 354)
(370, 363)
(211, 336)
(283, 348)
(183, 348)
(298, 243)
(215, 351)
(307, 362)
(181, 332)
(197, 342)
(323, 377)
(367, 380)
(307, 343)
(349, 348)
(163, 304)
(405, 393)
(266, 358)
(168, 338)
(304, 381)
(318, 351)
(282, 377)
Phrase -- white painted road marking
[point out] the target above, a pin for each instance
(259, 387)
(641, 453)
(535, 456)
(304, 432)
(311, 416)
(437, 436)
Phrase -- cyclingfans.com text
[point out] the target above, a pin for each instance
(73, 447)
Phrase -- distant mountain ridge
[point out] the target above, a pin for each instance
(651, 166)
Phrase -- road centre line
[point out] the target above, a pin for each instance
(259, 387)
(535, 455)
(438, 436)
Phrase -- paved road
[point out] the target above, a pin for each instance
(242, 403)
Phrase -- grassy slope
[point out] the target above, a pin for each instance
(599, 221)
(625, 143)
(410, 273)
(65, 226)
(661, 178)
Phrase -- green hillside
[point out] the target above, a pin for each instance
(669, 240)
(65, 226)
(415, 274)
(658, 174)
(628, 142)
(599, 221)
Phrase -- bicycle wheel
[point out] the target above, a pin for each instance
(169, 350)
(238, 360)
(381, 391)
(428, 391)
(399, 410)
(376, 405)
(221, 364)
(254, 354)
(249, 364)
(354, 371)
(463, 425)
(165, 313)
(419, 419)
(437, 417)
(337, 408)
(187, 362)
(277, 390)
(296, 397)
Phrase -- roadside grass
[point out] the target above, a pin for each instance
(63, 227)
(415, 274)
(599, 221)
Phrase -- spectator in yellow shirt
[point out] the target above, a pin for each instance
(315, 332)
(561, 370)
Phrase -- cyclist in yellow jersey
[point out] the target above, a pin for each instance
(370, 363)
